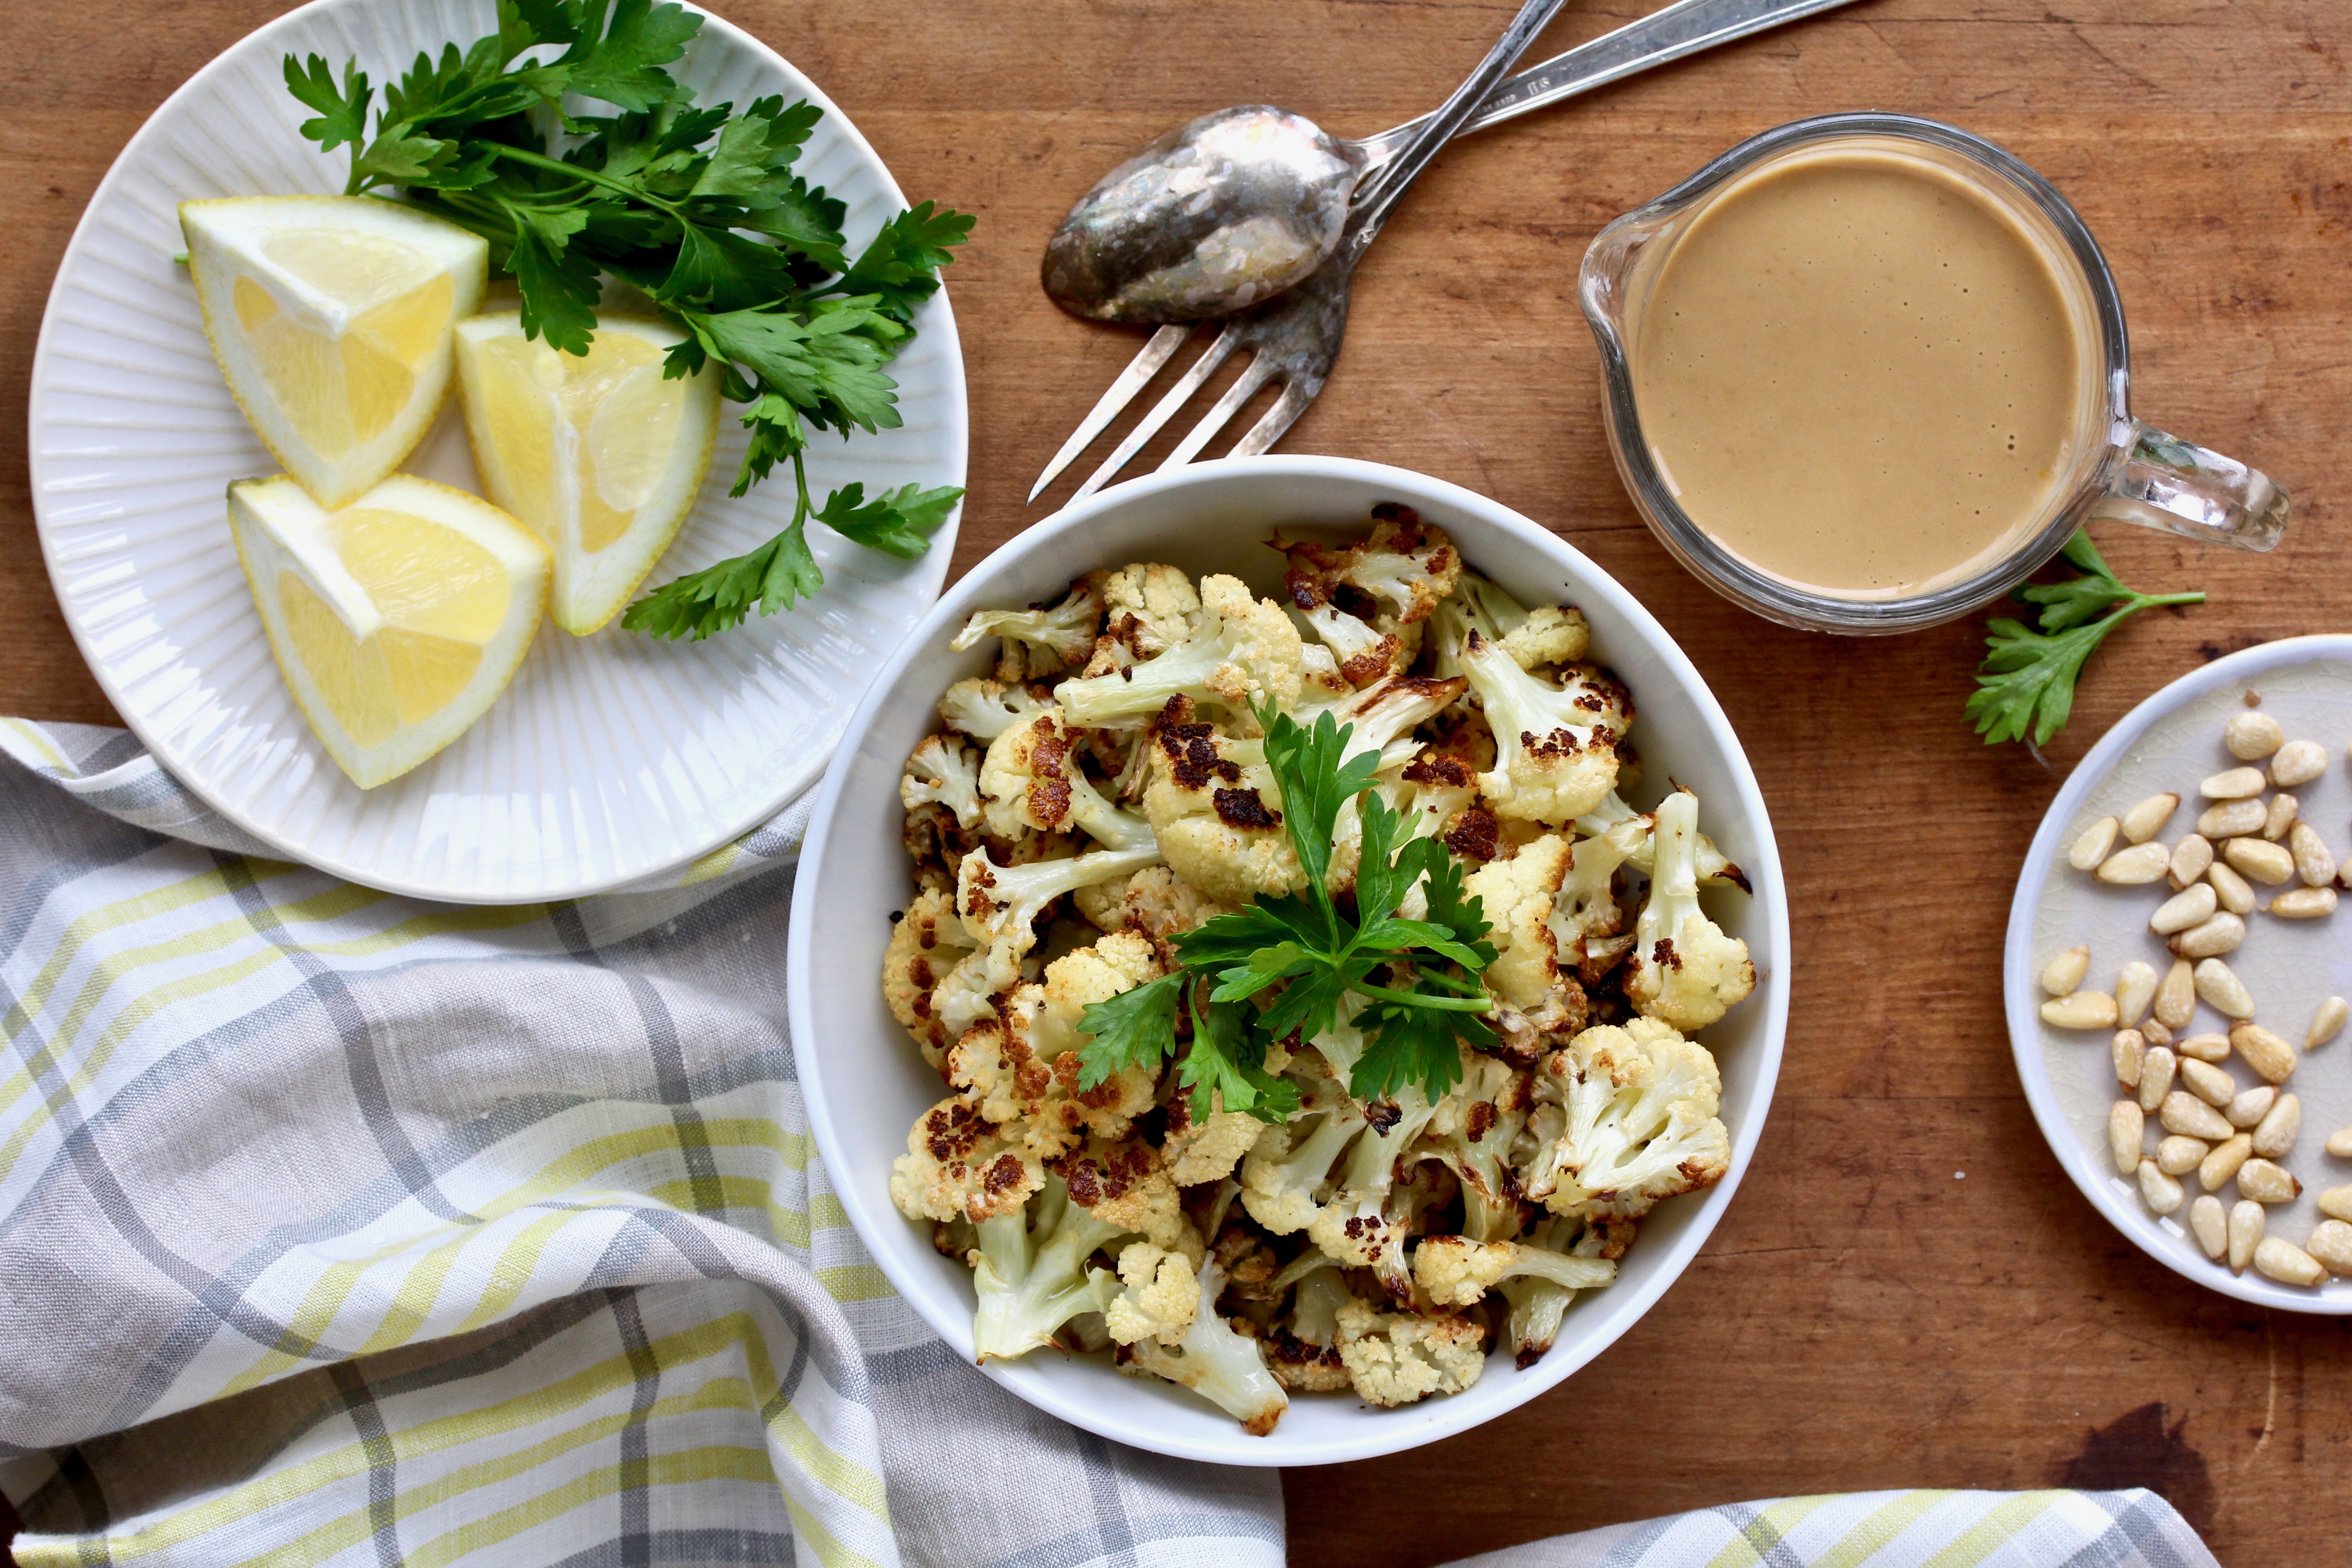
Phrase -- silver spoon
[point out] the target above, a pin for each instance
(1238, 206)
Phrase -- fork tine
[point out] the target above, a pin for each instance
(1259, 373)
(1178, 395)
(1280, 418)
(1157, 351)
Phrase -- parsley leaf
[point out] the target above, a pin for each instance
(2026, 685)
(697, 206)
(1227, 1064)
(1135, 1028)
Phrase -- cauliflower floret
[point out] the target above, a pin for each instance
(1454, 1271)
(1245, 648)
(1428, 793)
(1215, 1363)
(1149, 606)
(1555, 747)
(1039, 641)
(1294, 1164)
(1537, 1304)
(1154, 1296)
(1207, 800)
(1304, 1348)
(1033, 784)
(1634, 1110)
(1021, 1063)
(1396, 1358)
(1551, 634)
(925, 946)
(1714, 868)
(1000, 904)
(1378, 720)
(1365, 602)
(1687, 971)
(940, 770)
(1405, 564)
(1587, 921)
(1155, 900)
(1472, 1133)
(1207, 1148)
(1374, 1205)
(1516, 895)
(986, 709)
(957, 1167)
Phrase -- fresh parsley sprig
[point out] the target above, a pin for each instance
(2028, 678)
(1285, 965)
(699, 208)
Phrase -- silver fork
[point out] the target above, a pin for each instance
(1294, 338)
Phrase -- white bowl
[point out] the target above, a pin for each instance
(2170, 742)
(865, 1083)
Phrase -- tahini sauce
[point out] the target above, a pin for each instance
(1860, 373)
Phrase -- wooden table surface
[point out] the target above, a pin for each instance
(1907, 1292)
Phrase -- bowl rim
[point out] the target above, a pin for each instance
(2020, 987)
(867, 1210)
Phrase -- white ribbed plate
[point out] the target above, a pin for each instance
(612, 757)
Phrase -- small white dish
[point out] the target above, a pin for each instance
(864, 1083)
(611, 758)
(2171, 742)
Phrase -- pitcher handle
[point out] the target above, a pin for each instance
(2194, 492)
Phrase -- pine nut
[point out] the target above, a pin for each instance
(2325, 1023)
(2152, 1030)
(2080, 1010)
(2214, 1173)
(2146, 820)
(2313, 862)
(2228, 819)
(2297, 763)
(2092, 844)
(2224, 933)
(2237, 783)
(2287, 1263)
(2222, 990)
(2204, 1047)
(2230, 888)
(2190, 858)
(2127, 1047)
(2184, 1113)
(2134, 989)
(2155, 1071)
(2275, 1134)
(2279, 815)
(2304, 903)
(2177, 1156)
(2126, 1122)
(2176, 995)
(2266, 1053)
(2335, 1202)
(2252, 736)
(2135, 867)
(2063, 976)
(2191, 907)
(2339, 1143)
(2210, 1223)
(2159, 1191)
(2267, 1184)
(2247, 1219)
(2209, 1083)
(2248, 1109)
(2256, 859)
(2331, 1245)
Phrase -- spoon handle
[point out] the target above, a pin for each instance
(1379, 192)
(1682, 28)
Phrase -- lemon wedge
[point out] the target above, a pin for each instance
(397, 620)
(597, 452)
(331, 317)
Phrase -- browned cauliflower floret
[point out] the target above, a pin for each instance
(1396, 1358)
(1148, 606)
(1245, 650)
(925, 947)
(1555, 746)
(1040, 641)
(1687, 971)
(1031, 783)
(1207, 1149)
(1625, 1117)
(1207, 797)
(1021, 1063)
(956, 1167)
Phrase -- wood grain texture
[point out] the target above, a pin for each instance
(1867, 1316)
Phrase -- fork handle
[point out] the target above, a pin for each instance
(1682, 28)
(1377, 193)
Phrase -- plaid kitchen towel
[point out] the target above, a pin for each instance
(343, 1228)
(2133, 1528)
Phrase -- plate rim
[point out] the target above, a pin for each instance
(929, 579)
(1407, 1431)
(2019, 982)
